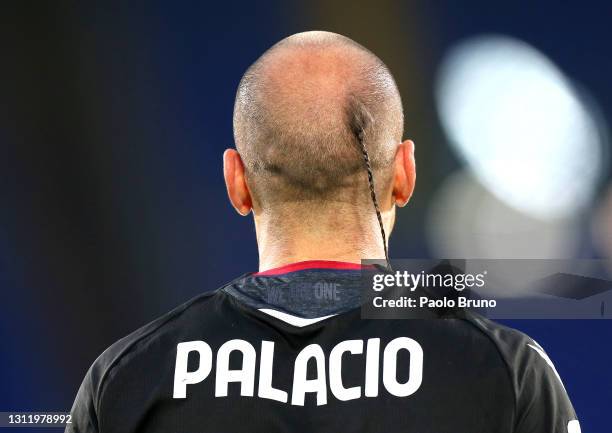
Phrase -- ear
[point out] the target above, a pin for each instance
(235, 181)
(404, 173)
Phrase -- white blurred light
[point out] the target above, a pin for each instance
(466, 220)
(602, 225)
(520, 126)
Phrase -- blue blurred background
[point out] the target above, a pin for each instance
(115, 117)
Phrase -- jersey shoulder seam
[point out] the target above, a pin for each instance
(468, 318)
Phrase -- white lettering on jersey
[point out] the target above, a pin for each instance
(182, 377)
(245, 375)
(353, 347)
(302, 385)
(265, 389)
(390, 367)
(372, 366)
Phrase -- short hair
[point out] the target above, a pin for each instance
(301, 112)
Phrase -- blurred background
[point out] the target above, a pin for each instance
(114, 118)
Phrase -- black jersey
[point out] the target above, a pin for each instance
(234, 361)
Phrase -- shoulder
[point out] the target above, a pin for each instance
(146, 338)
(520, 352)
(509, 341)
(541, 400)
(119, 357)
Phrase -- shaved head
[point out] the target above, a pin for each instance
(303, 112)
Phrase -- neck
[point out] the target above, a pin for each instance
(338, 235)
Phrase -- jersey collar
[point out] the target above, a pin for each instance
(311, 264)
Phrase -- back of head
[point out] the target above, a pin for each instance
(303, 111)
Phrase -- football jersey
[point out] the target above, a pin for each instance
(288, 351)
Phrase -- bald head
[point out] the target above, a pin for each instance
(303, 111)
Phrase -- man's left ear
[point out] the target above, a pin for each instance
(404, 173)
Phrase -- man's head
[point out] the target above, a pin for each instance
(303, 112)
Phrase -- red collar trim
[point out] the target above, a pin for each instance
(310, 264)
